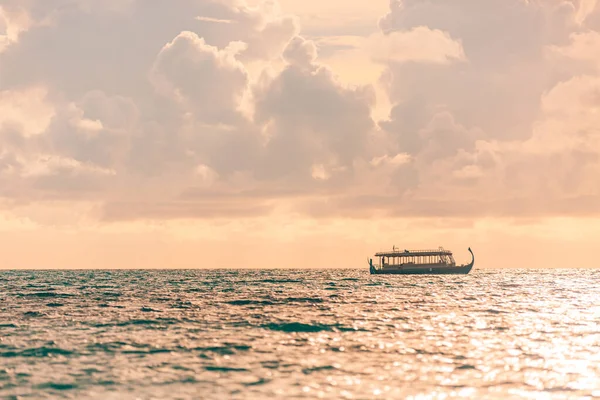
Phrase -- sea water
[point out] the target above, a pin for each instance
(256, 334)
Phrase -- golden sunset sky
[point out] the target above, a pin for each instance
(298, 133)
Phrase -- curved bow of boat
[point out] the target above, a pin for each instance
(371, 266)
(472, 256)
(469, 266)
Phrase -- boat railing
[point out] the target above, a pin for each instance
(439, 250)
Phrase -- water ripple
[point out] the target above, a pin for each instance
(248, 334)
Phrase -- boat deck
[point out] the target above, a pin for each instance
(408, 253)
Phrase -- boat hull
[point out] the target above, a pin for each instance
(462, 270)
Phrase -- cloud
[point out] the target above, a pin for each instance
(571, 120)
(419, 44)
(311, 118)
(156, 110)
(510, 132)
(586, 8)
(215, 20)
(300, 52)
(51, 165)
(27, 111)
(499, 88)
(13, 21)
(77, 46)
(583, 46)
(207, 81)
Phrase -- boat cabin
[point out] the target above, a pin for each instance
(405, 258)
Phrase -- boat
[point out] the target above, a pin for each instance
(424, 262)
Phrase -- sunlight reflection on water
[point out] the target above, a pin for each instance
(294, 334)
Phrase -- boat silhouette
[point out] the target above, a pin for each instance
(421, 262)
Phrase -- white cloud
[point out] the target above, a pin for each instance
(319, 172)
(586, 8)
(398, 159)
(208, 81)
(28, 110)
(13, 22)
(47, 165)
(215, 20)
(583, 46)
(419, 44)
(300, 52)
(469, 172)
(571, 117)
(208, 175)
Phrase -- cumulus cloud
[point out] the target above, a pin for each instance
(512, 130)
(419, 44)
(208, 81)
(300, 52)
(27, 110)
(80, 45)
(13, 22)
(156, 110)
(499, 88)
(583, 46)
(311, 118)
(585, 9)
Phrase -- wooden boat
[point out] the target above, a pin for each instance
(424, 262)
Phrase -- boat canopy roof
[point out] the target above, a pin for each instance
(408, 253)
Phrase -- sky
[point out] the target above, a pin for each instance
(298, 133)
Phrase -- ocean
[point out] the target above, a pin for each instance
(295, 334)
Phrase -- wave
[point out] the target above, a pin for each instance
(45, 294)
(260, 381)
(224, 350)
(320, 368)
(302, 327)
(125, 348)
(33, 314)
(280, 281)
(148, 322)
(37, 352)
(147, 351)
(282, 301)
(57, 386)
(111, 294)
(465, 366)
(224, 369)
(304, 299)
(250, 302)
(107, 347)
